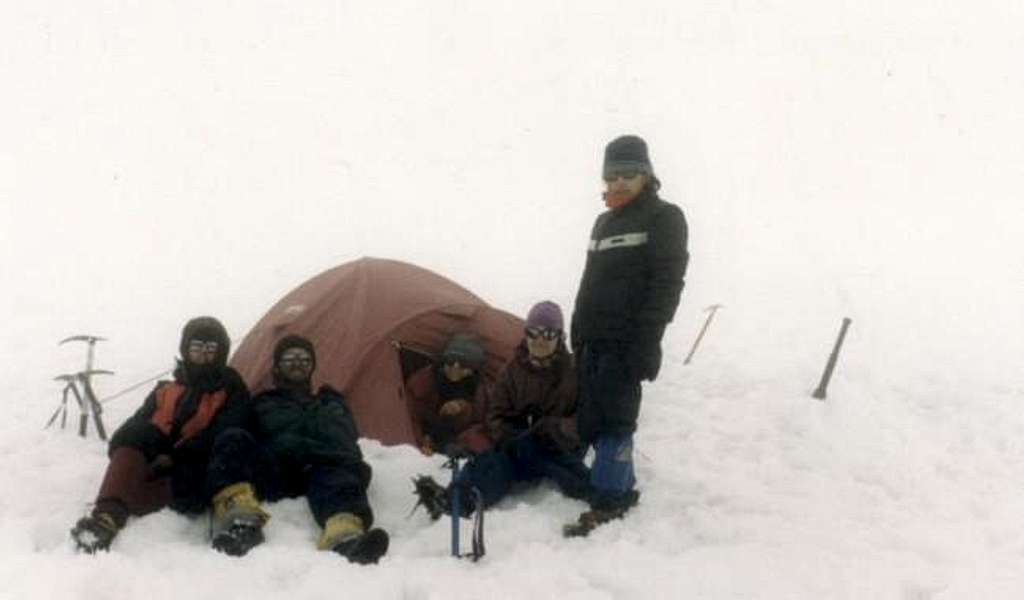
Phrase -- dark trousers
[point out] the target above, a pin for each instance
(609, 405)
(523, 460)
(133, 486)
(609, 393)
(330, 486)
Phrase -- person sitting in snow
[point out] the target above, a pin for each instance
(446, 399)
(531, 417)
(307, 446)
(179, 449)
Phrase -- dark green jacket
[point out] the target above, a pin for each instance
(301, 429)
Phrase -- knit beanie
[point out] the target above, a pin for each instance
(627, 152)
(466, 349)
(545, 314)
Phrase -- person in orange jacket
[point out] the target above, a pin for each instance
(179, 450)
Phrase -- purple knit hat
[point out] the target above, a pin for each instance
(545, 314)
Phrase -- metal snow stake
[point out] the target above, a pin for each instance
(819, 393)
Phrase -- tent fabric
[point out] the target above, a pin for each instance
(357, 315)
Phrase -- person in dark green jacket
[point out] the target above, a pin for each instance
(309, 447)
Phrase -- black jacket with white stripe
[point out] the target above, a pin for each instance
(636, 262)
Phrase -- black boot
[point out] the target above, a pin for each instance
(238, 537)
(95, 532)
(366, 548)
(601, 513)
(591, 520)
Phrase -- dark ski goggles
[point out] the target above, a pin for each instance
(545, 333)
(627, 174)
(203, 346)
(304, 361)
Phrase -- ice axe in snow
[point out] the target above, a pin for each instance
(819, 393)
(80, 385)
(711, 310)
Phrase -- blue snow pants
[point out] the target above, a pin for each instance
(524, 460)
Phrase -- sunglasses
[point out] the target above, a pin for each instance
(201, 346)
(304, 361)
(627, 174)
(546, 333)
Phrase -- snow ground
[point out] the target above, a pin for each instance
(169, 159)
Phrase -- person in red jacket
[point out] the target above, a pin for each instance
(446, 399)
(181, 449)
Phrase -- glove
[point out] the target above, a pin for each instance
(644, 360)
(455, 408)
(192, 450)
(162, 466)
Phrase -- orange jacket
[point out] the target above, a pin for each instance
(167, 398)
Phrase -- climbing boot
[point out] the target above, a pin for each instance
(95, 532)
(606, 511)
(345, 534)
(238, 520)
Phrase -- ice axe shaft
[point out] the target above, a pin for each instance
(711, 310)
(819, 393)
(456, 507)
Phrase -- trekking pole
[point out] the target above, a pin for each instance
(456, 507)
(455, 499)
(711, 310)
(819, 393)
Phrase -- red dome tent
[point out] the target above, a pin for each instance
(373, 323)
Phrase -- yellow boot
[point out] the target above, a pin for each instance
(346, 534)
(237, 519)
(339, 528)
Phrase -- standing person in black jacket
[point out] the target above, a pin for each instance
(630, 288)
(309, 447)
(180, 449)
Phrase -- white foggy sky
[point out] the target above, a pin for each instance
(169, 159)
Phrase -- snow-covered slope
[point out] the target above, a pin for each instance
(163, 160)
